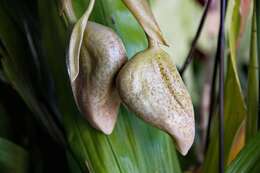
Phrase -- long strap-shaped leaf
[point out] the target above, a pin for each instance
(16, 63)
(235, 109)
(253, 84)
(257, 2)
(76, 42)
(248, 159)
(134, 146)
(13, 158)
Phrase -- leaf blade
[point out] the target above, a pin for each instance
(13, 158)
(253, 84)
(247, 158)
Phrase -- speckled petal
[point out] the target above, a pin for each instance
(150, 85)
(101, 56)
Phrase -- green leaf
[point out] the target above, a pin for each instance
(258, 35)
(253, 85)
(20, 69)
(248, 158)
(13, 158)
(134, 146)
(4, 122)
(234, 105)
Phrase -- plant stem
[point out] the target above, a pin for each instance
(212, 102)
(221, 55)
(67, 7)
(194, 41)
(252, 101)
(257, 3)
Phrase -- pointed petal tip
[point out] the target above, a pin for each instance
(184, 145)
(183, 150)
(105, 125)
(107, 130)
(182, 142)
